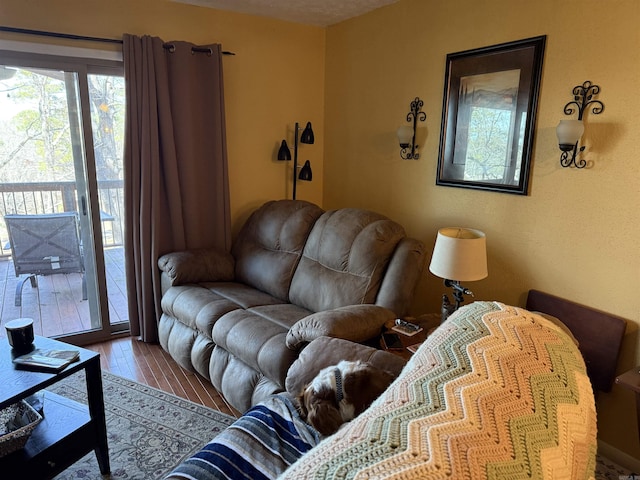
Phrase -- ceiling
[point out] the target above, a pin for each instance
(321, 13)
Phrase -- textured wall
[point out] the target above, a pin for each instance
(576, 234)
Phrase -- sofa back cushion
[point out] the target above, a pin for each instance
(344, 260)
(269, 245)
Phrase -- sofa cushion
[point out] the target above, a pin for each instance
(344, 260)
(242, 386)
(190, 348)
(240, 294)
(200, 306)
(258, 339)
(196, 307)
(270, 243)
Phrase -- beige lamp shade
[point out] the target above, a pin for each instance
(460, 254)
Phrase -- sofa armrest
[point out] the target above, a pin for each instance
(197, 265)
(402, 276)
(357, 323)
(326, 351)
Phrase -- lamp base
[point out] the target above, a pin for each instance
(458, 291)
(446, 309)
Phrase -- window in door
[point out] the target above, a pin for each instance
(61, 145)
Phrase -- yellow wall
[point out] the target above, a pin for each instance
(576, 234)
(275, 79)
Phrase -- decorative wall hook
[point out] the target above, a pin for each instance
(570, 131)
(407, 133)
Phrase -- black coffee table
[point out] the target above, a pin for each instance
(69, 429)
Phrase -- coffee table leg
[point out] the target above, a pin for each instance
(96, 410)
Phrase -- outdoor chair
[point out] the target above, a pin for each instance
(47, 244)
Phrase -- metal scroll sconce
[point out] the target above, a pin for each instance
(407, 133)
(285, 154)
(570, 131)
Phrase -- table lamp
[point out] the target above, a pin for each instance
(459, 255)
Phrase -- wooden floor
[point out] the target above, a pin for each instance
(151, 365)
(56, 305)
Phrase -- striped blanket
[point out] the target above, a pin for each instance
(496, 392)
(260, 445)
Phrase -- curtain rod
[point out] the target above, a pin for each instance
(70, 36)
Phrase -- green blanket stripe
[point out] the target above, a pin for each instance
(533, 433)
(390, 434)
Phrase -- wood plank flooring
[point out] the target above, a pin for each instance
(151, 365)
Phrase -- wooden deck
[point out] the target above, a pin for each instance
(56, 306)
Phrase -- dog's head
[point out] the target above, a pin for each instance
(320, 408)
(339, 393)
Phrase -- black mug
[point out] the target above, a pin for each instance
(20, 334)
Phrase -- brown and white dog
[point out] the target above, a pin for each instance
(340, 393)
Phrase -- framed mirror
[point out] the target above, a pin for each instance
(488, 116)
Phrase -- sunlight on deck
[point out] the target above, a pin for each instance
(56, 306)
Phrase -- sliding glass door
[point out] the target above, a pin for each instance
(61, 195)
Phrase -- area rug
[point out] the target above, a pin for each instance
(149, 431)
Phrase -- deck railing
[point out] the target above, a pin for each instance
(51, 197)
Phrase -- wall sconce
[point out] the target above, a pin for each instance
(407, 133)
(285, 154)
(460, 254)
(569, 132)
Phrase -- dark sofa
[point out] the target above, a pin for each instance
(294, 273)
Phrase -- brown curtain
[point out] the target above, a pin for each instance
(175, 160)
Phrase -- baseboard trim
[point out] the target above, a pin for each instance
(618, 456)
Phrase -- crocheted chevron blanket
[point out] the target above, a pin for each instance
(496, 392)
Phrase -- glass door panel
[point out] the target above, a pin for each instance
(49, 168)
(107, 100)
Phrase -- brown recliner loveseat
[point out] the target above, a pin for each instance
(294, 273)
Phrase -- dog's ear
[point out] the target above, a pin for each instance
(364, 386)
(324, 417)
(303, 401)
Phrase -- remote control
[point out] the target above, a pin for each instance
(406, 328)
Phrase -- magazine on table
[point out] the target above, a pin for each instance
(46, 359)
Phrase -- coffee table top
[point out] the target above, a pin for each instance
(18, 383)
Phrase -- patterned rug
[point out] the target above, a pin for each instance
(149, 431)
